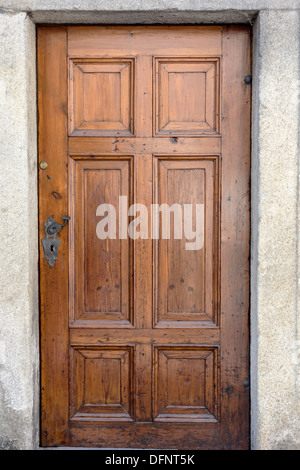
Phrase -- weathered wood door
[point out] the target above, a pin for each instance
(144, 342)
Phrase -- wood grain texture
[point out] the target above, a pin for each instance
(53, 201)
(116, 41)
(186, 281)
(186, 96)
(101, 95)
(184, 383)
(102, 383)
(235, 237)
(101, 282)
(145, 344)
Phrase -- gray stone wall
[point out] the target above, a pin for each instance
(275, 172)
(275, 321)
(18, 234)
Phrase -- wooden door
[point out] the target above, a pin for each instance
(145, 343)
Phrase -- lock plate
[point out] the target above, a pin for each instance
(51, 242)
(50, 246)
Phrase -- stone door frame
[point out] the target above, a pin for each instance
(275, 332)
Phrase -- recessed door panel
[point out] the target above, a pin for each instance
(101, 283)
(186, 252)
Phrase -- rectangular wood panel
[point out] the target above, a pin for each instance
(186, 96)
(92, 41)
(100, 269)
(186, 263)
(185, 383)
(112, 82)
(101, 382)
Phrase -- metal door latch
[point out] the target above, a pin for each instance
(50, 242)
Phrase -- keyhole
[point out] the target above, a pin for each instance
(52, 248)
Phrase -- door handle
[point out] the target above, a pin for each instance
(51, 242)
